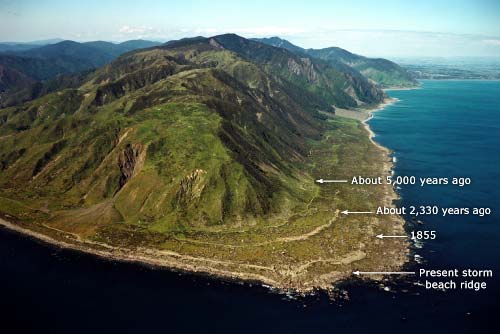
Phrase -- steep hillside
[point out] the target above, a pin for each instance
(200, 155)
(11, 78)
(335, 86)
(22, 74)
(26, 89)
(382, 71)
(34, 68)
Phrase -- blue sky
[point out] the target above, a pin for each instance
(375, 28)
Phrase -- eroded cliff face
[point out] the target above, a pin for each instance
(130, 162)
(190, 188)
(304, 68)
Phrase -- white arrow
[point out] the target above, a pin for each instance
(381, 236)
(357, 273)
(330, 181)
(346, 212)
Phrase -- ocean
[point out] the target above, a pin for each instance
(445, 129)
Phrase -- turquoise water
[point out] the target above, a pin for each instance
(445, 129)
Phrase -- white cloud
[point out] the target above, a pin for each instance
(247, 32)
(492, 41)
(126, 29)
(269, 31)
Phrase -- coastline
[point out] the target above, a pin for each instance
(390, 165)
(211, 267)
(369, 116)
(364, 116)
(151, 257)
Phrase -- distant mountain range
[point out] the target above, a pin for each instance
(24, 66)
(23, 46)
(21, 65)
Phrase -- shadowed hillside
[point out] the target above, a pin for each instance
(24, 65)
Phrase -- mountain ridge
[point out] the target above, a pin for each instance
(385, 73)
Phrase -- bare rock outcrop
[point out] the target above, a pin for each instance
(190, 187)
(130, 161)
